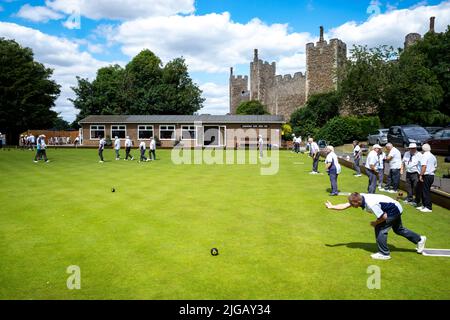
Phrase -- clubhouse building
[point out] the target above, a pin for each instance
(219, 131)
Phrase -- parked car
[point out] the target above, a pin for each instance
(440, 142)
(402, 136)
(433, 130)
(378, 137)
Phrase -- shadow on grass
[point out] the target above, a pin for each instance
(369, 247)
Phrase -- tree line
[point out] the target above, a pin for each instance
(143, 86)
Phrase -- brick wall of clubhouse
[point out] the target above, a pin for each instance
(233, 140)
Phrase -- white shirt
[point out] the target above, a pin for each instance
(372, 159)
(396, 161)
(153, 144)
(101, 143)
(31, 139)
(314, 148)
(381, 157)
(379, 204)
(429, 160)
(260, 142)
(332, 158)
(356, 150)
(117, 144)
(412, 162)
(128, 143)
(142, 145)
(298, 139)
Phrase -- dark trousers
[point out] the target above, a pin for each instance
(100, 154)
(1, 143)
(316, 162)
(127, 153)
(143, 157)
(297, 147)
(372, 181)
(41, 154)
(152, 154)
(356, 164)
(394, 179)
(426, 195)
(380, 177)
(381, 232)
(333, 181)
(411, 184)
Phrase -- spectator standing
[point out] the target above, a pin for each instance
(380, 168)
(357, 157)
(314, 153)
(371, 168)
(101, 147)
(128, 144)
(428, 163)
(410, 165)
(394, 158)
(152, 152)
(333, 168)
(142, 150)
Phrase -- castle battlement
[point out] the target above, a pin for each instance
(239, 77)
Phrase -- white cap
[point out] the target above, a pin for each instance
(412, 146)
(376, 146)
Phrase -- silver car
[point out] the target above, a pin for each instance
(379, 136)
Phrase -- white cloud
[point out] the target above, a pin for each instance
(209, 43)
(62, 55)
(122, 9)
(38, 13)
(391, 28)
(216, 98)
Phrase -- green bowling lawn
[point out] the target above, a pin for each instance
(151, 239)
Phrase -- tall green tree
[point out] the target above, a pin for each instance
(307, 120)
(27, 93)
(364, 79)
(414, 94)
(144, 86)
(252, 107)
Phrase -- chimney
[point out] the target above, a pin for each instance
(256, 55)
(321, 34)
(231, 71)
(432, 19)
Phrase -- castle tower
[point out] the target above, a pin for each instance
(322, 63)
(238, 91)
(262, 78)
(411, 38)
(432, 21)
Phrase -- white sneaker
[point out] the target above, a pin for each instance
(35, 161)
(392, 191)
(380, 256)
(381, 189)
(100, 161)
(406, 201)
(426, 210)
(358, 175)
(421, 244)
(420, 208)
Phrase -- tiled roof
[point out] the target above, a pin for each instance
(173, 119)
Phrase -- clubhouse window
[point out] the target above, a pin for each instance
(97, 131)
(188, 132)
(167, 132)
(118, 131)
(145, 132)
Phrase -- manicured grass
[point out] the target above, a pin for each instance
(151, 239)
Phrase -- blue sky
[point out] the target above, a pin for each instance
(76, 37)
